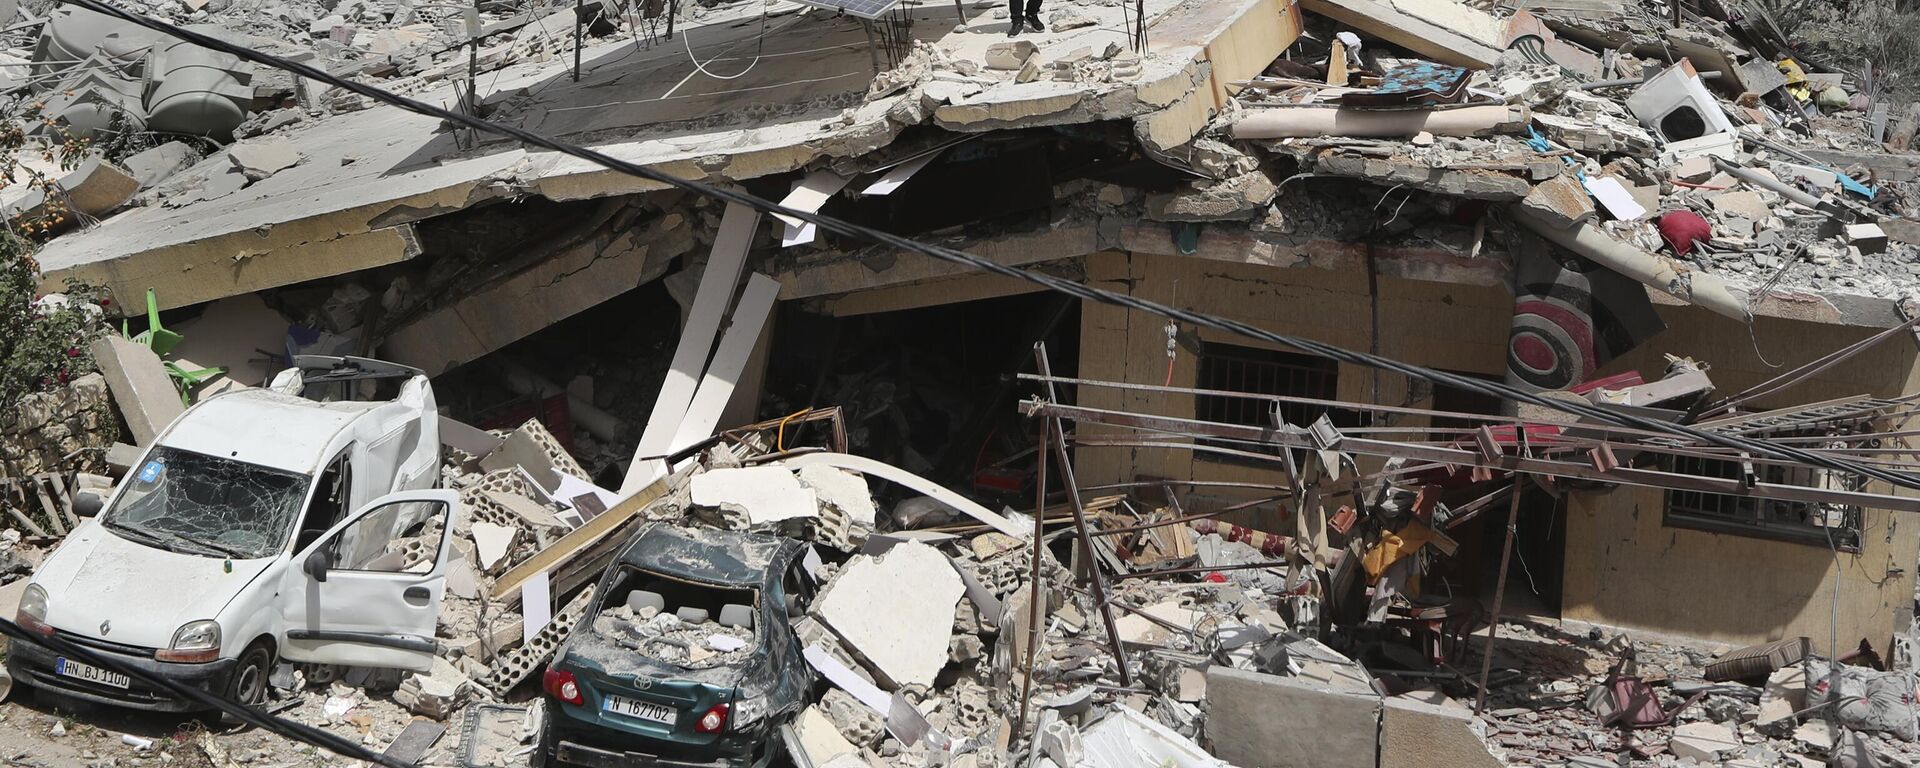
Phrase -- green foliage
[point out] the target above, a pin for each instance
(43, 340)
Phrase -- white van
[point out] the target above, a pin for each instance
(261, 525)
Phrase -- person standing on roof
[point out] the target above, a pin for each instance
(1028, 19)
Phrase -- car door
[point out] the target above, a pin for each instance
(367, 593)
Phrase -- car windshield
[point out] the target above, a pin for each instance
(188, 502)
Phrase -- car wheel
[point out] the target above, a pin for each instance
(249, 684)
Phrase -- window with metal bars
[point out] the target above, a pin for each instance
(1794, 521)
(1230, 368)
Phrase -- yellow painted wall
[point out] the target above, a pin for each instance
(1622, 566)
(1625, 568)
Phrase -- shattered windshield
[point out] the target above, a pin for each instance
(187, 502)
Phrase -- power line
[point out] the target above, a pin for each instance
(266, 722)
(1083, 292)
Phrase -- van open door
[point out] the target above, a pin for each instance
(367, 593)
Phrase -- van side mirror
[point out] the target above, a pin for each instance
(316, 565)
(87, 504)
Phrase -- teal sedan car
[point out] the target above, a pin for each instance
(685, 658)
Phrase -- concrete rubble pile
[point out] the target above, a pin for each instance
(150, 108)
(1714, 173)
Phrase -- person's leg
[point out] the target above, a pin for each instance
(1033, 16)
(1016, 19)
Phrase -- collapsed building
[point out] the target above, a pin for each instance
(1654, 218)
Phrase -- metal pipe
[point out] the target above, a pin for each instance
(1654, 271)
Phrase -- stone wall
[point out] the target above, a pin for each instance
(46, 426)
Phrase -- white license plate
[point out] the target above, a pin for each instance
(90, 673)
(621, 705)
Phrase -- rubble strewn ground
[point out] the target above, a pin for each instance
(955, 606)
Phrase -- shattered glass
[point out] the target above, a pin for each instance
(189, 502)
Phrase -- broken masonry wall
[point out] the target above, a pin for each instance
(46, 426)
(1624, 567)
(1450, 326)
(1622, 562)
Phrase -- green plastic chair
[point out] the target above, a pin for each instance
(156, 338)
(185, 380)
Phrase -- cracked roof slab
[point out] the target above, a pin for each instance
(364, 175)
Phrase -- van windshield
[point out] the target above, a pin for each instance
(187, 502)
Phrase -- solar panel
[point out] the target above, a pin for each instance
(866, 9)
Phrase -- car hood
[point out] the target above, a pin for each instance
(147, 593)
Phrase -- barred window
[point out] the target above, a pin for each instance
(1257, 371)
(1795, 521)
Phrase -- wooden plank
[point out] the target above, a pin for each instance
(710, 302)
(729, 362)
(1337, 64)
(563, 550)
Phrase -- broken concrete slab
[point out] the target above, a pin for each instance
(760, 495)
(141, 388)
(492, 542)
(1693, 169)
(895, 611)
(1443, 30)
(1010, 55)
(260, 159)
(1418, 734)
(1741, 203)
(1869, 238)
(95, 189)
(1560, 201)
(819, 738)
(524, 508)
(1703, 742)
(1784, 694)
(1137, 629)
(152, 166)
(1326, 727)
(98, 187)
(1241, 197)
(843, 490)
(435, 693)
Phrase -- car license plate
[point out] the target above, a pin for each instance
(621, 705)
(90, 673)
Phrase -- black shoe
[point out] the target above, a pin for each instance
(1033, 20)
(1015, 28)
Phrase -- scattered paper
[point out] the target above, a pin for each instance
(1614, 197)
(337, 706)
(725, 643)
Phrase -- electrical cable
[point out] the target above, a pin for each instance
(270, 723)
(1068, 287)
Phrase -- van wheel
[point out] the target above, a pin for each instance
(249, 684)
